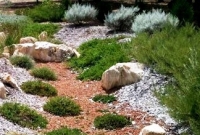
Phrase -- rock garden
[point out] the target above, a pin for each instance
(63, 71)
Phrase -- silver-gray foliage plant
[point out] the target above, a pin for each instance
(121, 19)
(13, 18)
(153, 20)
(78, 13)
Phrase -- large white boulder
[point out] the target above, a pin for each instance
(153, 129)
(122, 74)
(2, 91)
(6, 78)
(44, 51)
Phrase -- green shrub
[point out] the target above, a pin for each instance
(22, 61)
(78, 13)
(153, 20)
(111, 121)
(182, 9)
(97, 56)
(22, 115)
(66, 131)
(34, 29)
(104, 98)
(44, 73)
(39, 88)
(62, 106)
(121, 19)
(176, 53)
(47, 11)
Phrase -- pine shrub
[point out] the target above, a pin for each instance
(22, 61)
(22, 115)
(121, 19)
(44, 73)
(39, 88)
(153, 20)
(80, 13)
(111, 121)
(104, 98)
(62, 106)
(66, 131)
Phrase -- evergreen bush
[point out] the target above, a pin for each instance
(22, 61)
(153, 20)
(22, 115)
(121, 19)
(39, 88)
(62, 106)
(80, 13)
(66, 131)
(44, 73)
(111, 121)
(104, 98)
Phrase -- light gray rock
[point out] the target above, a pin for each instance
(44, 51)
(153, 129)
(27, 40)
(122, 74)
(2, 91)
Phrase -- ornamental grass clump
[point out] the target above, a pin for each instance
(121, 19)
(62, 106)
(44, 73)
(39, 88)
(111, 121)
(22, 61)
(23, 115)
(80, 13)
(153, 20)
(66, 131)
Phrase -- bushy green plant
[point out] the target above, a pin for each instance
(39, 88)
(34, 29)
(98, 55)
(22, 61)
(182, 9)
(47, 11)
(111, 121)
(66, 131)
(121, 19)
(175, 52)
(104, 98)
(78, 13)
(22, 115)
(44, 73)
(153, 20)
(62, 106)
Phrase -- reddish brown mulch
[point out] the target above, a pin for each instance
(82, 92)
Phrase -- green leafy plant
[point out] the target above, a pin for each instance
(153, 20)
(22, 61)
(62, 106)
(97, 56)
(47, 11)
(39, 88)
(78, 13)
(111, 121)
(104, 98)
(66, 131)
(175, 52)
(22, 115)
(121, 19)
(44, 73)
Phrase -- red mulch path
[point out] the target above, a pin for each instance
(82, 92)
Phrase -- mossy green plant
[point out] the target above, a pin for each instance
(39, 88)
(66, 131)
(23, 115)
(104, 98)
(44, 73)
(62, 106)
